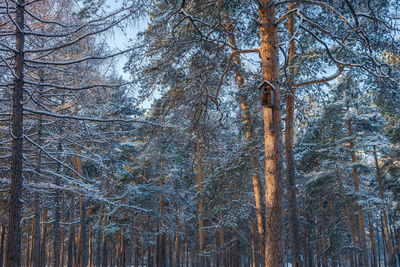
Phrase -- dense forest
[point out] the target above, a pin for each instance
(216, 133)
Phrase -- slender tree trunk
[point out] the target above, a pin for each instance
(289, 149)
(322, 210)
(28, 244)
(222, 245)
(148, 254)
(372, 239)
(200, 185)
(82, 251)
(43, 239)
(253, 245)
(385, 219)
(13, 250)
(71, 233)
(135, 245)
(249, 137)
(362, 240)
(56, 241)
(2, 236)
(176, 250)
(35, 257)
(383, 243)
(274, 243)
(186, 245)
(62, 252)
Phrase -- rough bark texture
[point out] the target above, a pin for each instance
(13, 251)
(289, 151)
(274, 243)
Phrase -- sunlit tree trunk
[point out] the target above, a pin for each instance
(274, 243)
(200, 188)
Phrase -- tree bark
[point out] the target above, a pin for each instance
(176, 247)
(13, 250)
(289, 149)
(200, 185)
(260, 209)
(362, 240)
(274, 243)
(71, 233)
(2, 236)
(43, 239)
(372, 240)
(385, 219)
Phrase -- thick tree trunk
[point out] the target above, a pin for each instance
(13, 251)
(274, 243)
(289, 150)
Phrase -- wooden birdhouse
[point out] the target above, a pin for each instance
(267, 94)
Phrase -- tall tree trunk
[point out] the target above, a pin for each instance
(274, 243)
(28, 244)
(260, 209)
(322, 210)
(13, 250)
(35, 257)
(99, 231)
(43, 239)
(83, 253)
(383, 242)
(372, 239)
(71, 233)
(253, 245)
(200, 185)
(186, 245)
(289, 149)
(176, 247)
(363, 243)
(56, 241)
(62, 252)
(2, 236)
(385, 219)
